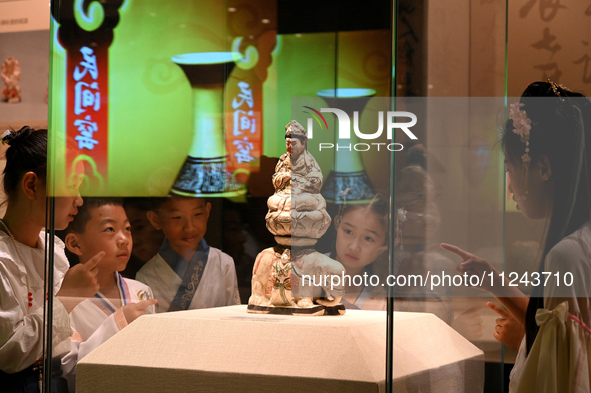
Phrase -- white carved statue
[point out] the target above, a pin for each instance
(297, 217)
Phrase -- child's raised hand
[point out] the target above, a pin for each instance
(133, 311)
(80, 281)
(509, 330)
(473, 265)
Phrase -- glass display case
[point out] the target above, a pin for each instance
(171, 118)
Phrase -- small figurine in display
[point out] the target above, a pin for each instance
(281, 277)
(11, 76)
(297, 217)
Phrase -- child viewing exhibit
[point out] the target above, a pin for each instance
(393, 193)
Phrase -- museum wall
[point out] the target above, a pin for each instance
(463, 54)
(24, 34)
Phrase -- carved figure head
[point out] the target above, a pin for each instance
(296, 139)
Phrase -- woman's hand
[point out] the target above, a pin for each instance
(489, 277)
(492, 281)
(509, 330)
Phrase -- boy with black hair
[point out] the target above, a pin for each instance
(187, 273)
(101, 225)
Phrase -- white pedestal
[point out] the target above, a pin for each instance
(225, 349)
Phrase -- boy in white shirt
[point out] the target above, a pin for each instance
(187, 273)
(102, 225)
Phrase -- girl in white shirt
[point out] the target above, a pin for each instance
(545, 144)
(22, 264)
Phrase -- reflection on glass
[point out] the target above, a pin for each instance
(204, 171)
(349, 172)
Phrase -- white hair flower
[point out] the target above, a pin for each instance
(520, 121)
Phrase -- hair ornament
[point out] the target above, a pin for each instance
(555, 87)
(522, 127)
(343, 196)
(402, 214)
(7, 136)
(400, 218)
(521, 124)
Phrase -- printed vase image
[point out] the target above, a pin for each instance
(204, 171)
(348, 181)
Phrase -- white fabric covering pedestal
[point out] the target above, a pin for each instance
(225, 349)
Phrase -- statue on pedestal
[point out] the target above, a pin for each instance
(293, 278)
(11, 76)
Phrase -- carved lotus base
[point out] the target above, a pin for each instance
(289, 241)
